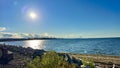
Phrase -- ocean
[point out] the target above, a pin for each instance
(103, 46)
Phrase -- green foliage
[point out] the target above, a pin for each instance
(89, 64)
(50, 60)
(67, 65)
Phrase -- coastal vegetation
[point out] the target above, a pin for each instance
(88, 63)
(50, 60)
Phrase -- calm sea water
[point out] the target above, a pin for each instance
(107, 46)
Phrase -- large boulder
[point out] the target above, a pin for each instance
(5, 55)
(77, 61)
(70, 59)
(38, 53)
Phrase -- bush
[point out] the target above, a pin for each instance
(50, 60)
(88, 64)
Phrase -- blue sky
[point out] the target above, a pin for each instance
(60, 18)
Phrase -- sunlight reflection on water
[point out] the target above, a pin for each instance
(108, 46)
(35, 44)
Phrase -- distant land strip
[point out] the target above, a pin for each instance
(22, 39)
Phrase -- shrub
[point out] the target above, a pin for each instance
(89, 64)
(50, 60)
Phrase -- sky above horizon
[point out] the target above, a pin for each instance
(59, 18)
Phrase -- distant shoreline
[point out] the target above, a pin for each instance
(22, 39)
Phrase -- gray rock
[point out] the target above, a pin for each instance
(71, 60)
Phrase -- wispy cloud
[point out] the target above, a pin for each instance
(4, 34)
(18, 35)
(47, 35)
(2, 28)
(25, 35)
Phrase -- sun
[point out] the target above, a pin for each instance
(32, 15)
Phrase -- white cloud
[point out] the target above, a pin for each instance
(45, 35)
(72, 36)
(27, 35)
(48, 35)
(2, 28)
(6, 35)
(18, 35)
(14, 35)
(22, 35)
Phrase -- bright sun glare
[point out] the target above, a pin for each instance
(32, 15)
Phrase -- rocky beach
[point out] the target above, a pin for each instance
(18, 57)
